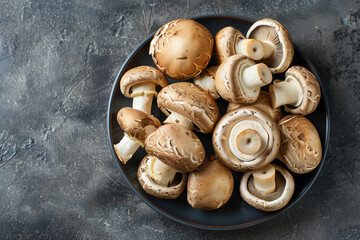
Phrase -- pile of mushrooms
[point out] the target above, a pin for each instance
(246, 140)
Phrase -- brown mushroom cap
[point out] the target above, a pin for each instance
(228, 84)
(182, 48)
(269, 30)
(301, 149)
(263, 102)
(154, 189)
(285, 187)
(210, 186)
(310, 88)
(135, 122)
(140, 75)
(192, 102)
(225, 41)
(223, 130)
(176, 146)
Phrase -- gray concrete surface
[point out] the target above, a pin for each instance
(58, 61)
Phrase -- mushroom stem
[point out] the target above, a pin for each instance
(161, 173)
(206, 81)
(251, 48)
(256, 76)
(264, 179)
(126, 148)
(268, 49)
(286, 92)
(143, 96)
(248, 141)
(179, 119)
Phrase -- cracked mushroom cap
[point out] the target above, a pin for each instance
(229, 79)
(311, 92)
(182, 48)
(191, 102)
(136, 124)
(154, 189)
(141, 75)
(176, 146)
(301, 149)
(273, 32)
(285, 186)
(225, 41)
(246, 139)
(264, 103)
(210, 186)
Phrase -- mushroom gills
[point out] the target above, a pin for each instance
(161, 173)
(126, 148)
(239, 130)
(177, 118)
(142, 96)
(206, 81)
(287, 92)
(264, 179)
(251, 48)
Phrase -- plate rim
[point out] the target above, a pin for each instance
(197, 225)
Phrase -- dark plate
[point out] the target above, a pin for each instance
(236, 213)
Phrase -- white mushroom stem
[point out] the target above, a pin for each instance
(161, 173)
(269, 48)
(264, 179)
(142, 96)
(286, 92)
(244, 142)
(251, 48)
(206, 81)
(179, 119)
(248, 141)
(126, 148)
(256, 76)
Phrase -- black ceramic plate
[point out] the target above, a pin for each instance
(235, 213)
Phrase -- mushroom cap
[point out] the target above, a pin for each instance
(264, 103)
(270, 30)
(225, 41)
(192, 102)
(182, 48)
(135, 122)
(285, 186)
(176, 146)
(210, 186)
(209, 74)
(222, 132)
(301, 149)
(152, 188)
(227, 80)
(310, 87)
(141, 75)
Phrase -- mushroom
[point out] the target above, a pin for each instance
(139, 83)
(299, 92)
(182, 48)
(136, 125)
(238, 79)
(300, 149)
(206, 81)
(268, 189)
(176, 146)
(159, 180)
(210, 186)
(186, 104)
(264, 103)
(246, 139)
(278, 47)
(230, 41)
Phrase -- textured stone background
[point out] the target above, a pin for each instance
(58, 61)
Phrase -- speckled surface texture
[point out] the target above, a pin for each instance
(58, 61)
